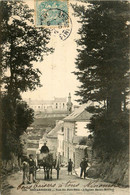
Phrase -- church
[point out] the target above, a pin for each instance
(50, 106)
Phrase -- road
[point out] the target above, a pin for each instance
(66, 184)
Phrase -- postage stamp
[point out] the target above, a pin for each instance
(51, 13)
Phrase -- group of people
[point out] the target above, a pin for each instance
(29, 166)
(83, 166)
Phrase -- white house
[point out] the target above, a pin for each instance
(75, 131)
(60, 149)
(52, 138)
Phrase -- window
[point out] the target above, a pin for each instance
(68, 153)
(68, 134)
(62, 129)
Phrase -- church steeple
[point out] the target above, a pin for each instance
(69, 104)
(69, 98)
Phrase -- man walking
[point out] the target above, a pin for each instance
(83, 165)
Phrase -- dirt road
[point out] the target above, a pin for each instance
(66, 184)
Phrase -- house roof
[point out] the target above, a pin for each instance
(77, 112)
(54, 132)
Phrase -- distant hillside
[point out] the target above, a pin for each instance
(45, 122)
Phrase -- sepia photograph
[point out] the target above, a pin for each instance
(65, 97)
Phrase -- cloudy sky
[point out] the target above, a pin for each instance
(57, 77)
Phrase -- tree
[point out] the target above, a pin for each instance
(10, 135)
(22, 45)
(102, 67)
(24, 116)
(103, 51)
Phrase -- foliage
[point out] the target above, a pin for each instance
(10, 133)
(24, 116)
(22, 44)
(102, 68)
(83, 141)
(103, 51)
(110, 133)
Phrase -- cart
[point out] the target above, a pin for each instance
(46, 162)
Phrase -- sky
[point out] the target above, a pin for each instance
(57, 77)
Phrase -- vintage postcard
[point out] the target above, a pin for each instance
(64, 97)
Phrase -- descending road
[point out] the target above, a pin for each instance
(67, 184)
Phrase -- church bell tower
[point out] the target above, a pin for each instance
(69, 105)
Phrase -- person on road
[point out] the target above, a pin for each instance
(32, 169)
(44, 149)
(83, 165)
(54, 163)
(25, 166)
(70, 164)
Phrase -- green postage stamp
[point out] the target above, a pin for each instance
(51, 13)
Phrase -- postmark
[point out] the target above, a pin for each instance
(51, 13)
(63, 32)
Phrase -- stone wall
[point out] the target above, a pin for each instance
(114, 170)
(79, 154)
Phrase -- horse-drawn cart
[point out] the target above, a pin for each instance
(46, 162)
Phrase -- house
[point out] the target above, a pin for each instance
(52, 138)
(60, 148)
(75, 131)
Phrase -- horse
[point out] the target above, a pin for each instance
(47, 162)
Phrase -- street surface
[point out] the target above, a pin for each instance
(66, 184)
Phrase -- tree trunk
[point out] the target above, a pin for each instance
(114, 102)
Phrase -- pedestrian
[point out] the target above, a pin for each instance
(54, 163)
(83, 165)
(32, 169)
(70, 164)
(58, 169)
(25, 167)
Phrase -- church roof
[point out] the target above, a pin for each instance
(40, 102)
(48, 102)
(79, 113)
(59, 99)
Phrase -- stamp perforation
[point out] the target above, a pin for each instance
(59, 22)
